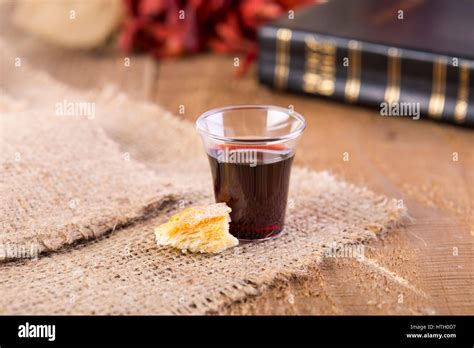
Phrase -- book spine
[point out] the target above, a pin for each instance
(398, 81)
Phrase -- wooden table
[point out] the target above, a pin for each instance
(424, 268)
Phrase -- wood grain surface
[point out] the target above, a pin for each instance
(425, 267)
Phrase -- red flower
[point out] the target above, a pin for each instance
(175, 27)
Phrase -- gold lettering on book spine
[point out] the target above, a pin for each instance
(320, 66)
(352, 88)
(283, 37)
(460, 110)
(392, 92)
(438, 90)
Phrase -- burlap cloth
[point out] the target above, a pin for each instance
(86, 193)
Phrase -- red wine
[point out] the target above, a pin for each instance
(253, 181)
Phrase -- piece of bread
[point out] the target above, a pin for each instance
(70, 23)
(203, 229)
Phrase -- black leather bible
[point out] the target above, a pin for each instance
(405, 57)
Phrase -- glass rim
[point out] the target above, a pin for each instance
(286, 137)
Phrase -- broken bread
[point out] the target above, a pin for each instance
(203, 229)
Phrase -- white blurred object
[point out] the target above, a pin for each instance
(70, 23)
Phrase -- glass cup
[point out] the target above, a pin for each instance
(251, 149)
